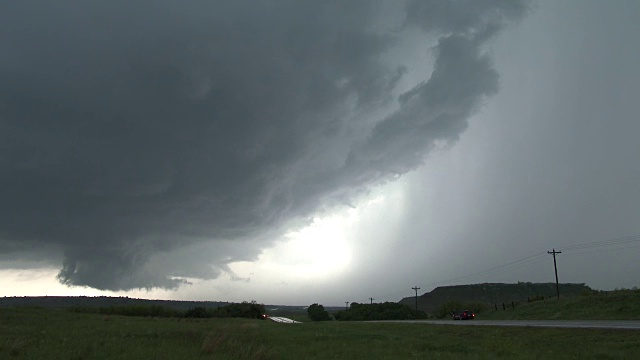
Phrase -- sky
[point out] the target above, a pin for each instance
(298, 152)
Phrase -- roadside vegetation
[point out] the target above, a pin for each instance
(491, 293)
(31, 333)
(250, 310)
(592, 305)
(379, 311)
(317, 312)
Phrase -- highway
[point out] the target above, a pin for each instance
(283, 320)
(572, 324)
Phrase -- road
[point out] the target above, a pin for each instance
(573, 324)
(283, 320)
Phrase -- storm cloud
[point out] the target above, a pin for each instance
(144, 143)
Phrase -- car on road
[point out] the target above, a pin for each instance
(464, 315)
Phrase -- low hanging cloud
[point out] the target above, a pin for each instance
(150, 142)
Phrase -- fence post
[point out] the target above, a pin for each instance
(503, 308)
(496, 305)
(513, 306)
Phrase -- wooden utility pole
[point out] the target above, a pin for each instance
(416, 289)
(371, 300)
(554, 252)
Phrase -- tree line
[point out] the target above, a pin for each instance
(251, 310)
(366, 312)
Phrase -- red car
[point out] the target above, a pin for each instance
(465, 315)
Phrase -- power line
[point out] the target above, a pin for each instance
(601, 243)
(539, 257)
(527, 263)
(509, 266)
(495, 268)
(603, 250)
(391, 294)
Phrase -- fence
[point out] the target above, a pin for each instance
(513, 303)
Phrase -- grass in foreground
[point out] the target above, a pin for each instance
(51, 334)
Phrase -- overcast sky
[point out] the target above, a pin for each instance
(292, 152)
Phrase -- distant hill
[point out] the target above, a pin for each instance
(61, 302)
(101, 301)
(491, 293)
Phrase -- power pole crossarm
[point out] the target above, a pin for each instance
(555, 267)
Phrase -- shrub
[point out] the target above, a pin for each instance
(381, 311)
(250, 310)
(317, 313)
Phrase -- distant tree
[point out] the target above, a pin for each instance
(317, 313)
(379, 311)
(250, 310)
(197, 312)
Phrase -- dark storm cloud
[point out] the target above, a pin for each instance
(152, 141)
(464, 16)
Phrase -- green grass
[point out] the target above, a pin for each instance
(614, 305)
(57, 334)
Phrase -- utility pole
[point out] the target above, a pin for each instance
(554, 252)
(371, 300)
(346, 305)
(416, 289)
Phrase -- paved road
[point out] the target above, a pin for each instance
(283, 320)
(574, 324)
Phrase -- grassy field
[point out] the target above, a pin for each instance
(613, 305)
(57, 334)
